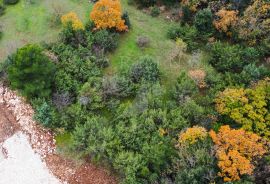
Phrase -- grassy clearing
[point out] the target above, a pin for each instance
(31, 23)
(155, 29)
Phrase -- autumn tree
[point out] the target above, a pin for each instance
(235, 151)
(254, 25)
(248, 107)
(227, 19)
(73, 19)
(107, 14)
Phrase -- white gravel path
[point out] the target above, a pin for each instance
(23, 165)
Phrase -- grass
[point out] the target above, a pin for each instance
(155, 29)
(25, 23)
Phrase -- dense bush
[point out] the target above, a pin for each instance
(184, 88)
(146, 69)
(105, 40)
(188, 34)
(203, 21)
(31, 72)
(125, 17)
(10, 2)
(146, 3)
(225, 57)
(155, 11)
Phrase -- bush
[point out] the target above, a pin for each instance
(188, 34)
(44, 113)
(184, 88)
(146, 69)
(146, 3)
(105, 40)
(225, 57)
(143, 41)
(2, 10)
(125, 17)
(31, 72)
(203, 21)
(155, 11)
(10, 2)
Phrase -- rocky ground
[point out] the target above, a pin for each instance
(17, 128)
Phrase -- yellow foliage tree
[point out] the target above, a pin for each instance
(248, 107)
(107, 14)
(227, 19)
(72, 18)
(235, 151)
(192, 135)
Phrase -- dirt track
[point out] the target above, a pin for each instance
(16, 115)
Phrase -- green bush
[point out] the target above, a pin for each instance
(184, 88)
(146, 3)
(125, 17)
(105, 40)
(10, 2)
(203, 21)
(231, 58)
(146, 69)
(31, 72)
(188, 34)
(2, 10)
(155, 11)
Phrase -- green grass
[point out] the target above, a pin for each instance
(25, 23)
(155, 28)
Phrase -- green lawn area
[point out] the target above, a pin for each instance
(155, 28)
(31, 23)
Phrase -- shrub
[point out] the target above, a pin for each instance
(187, 33)
(106, 14)
(10, 2)
(203, 21)
(31, 72)
(73, 19)
(155, 11)
(125, 17)
(184, 88)
(143, 41)
(146, 69)
(105, 40)
(193, 135)
(2, 10)
(73, 37)
(146, 3)
(44, 113)
(233, 58)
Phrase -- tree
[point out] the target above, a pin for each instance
(254, 25)
(248, 107)
(31, 72)
(235, 151)
(107, 14)
(227, 19)
(72, 18)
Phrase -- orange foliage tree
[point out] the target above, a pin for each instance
(72, 18)
(107, 14)
(227, 19)
(236, 150)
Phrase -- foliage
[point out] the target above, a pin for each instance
(2, 10)
(192, 135)
(227, 20)
(125, 17)
(248, 107)
(235, 150)
(146, 3)
(107, 14)
(105, 40)
(31, 72)
(146, 69)
(73, 37)
(203, 21)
